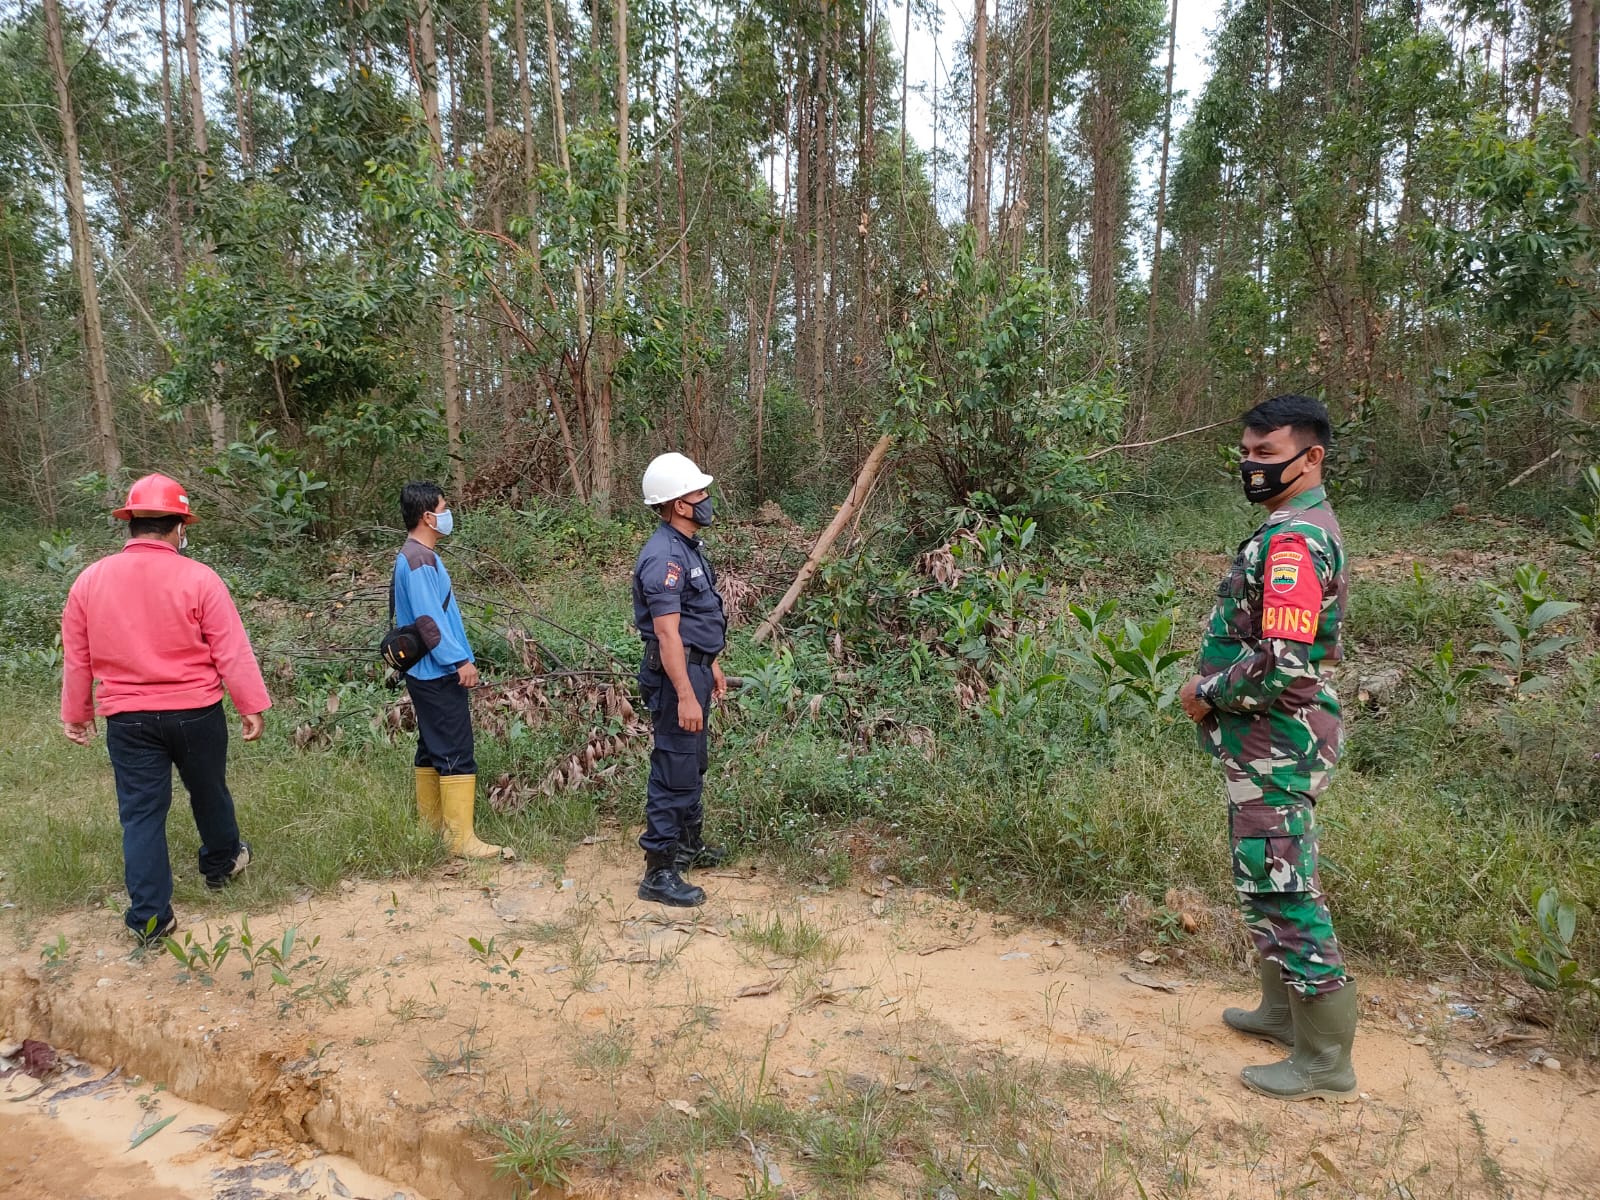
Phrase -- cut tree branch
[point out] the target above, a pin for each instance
(1531, 471)
(1171, 437)
(858, 492)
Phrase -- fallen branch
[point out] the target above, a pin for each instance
(858, 492)
(1171, 437)
(1533, 470)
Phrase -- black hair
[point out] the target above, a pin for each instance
(416, 498)
(153, 526)
(1306, 415)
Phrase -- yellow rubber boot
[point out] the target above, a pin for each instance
(428, 802)
(460, 795)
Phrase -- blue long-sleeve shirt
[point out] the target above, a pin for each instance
(422, 589)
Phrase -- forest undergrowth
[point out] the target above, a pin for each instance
(994, 718)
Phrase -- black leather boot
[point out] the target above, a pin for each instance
(693, 851)
(662, 884)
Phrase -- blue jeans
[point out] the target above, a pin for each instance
(144, 747)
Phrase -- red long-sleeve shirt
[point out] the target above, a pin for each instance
(157, 631)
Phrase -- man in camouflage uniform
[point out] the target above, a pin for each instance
(1266, 713)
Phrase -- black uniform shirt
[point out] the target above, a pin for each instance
(673, 575)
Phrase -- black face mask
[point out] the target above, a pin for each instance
(1263, 481)
(701, 514)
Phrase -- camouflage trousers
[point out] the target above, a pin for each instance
(1274, 840)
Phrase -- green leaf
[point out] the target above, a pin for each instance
(146, 1134)
(1505, 625)
(1548, 647)
(1550, 610)
(1566, 924)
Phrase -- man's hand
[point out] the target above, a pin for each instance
(467, 673)
(719, 682)
(78, 731)
(691, 717)
(252, 724)
(1195, 708)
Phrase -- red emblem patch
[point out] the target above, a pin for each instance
(674, 573)
(1292, 597)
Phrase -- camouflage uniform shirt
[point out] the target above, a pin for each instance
(1275, 724)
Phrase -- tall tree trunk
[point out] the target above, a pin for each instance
(241, 117)
(107, 451)
(449, 376)
(530, 154)
(905, 77)
(864, 153)
(693, 417)
(197, 108)
(169, 132)
(762, 358)
(822, 178)
(1017, 145)
(619, 290)
(496, 376)
(836, 269)
(486, 53)
(1581, 106)
(216, 417)
(1044, 165)
(979, 167)
(1105, 156)
(447, 79)
(1582, 99)
(1142, 416)
(599, 439)
(806, 369)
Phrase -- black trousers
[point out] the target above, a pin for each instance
(444, 724)
(677, 760)
(144, 747)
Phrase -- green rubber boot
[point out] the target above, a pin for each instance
(1270, 1019)
(1318, 1068)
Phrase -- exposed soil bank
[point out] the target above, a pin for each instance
(70, 1138)
(403, 1038)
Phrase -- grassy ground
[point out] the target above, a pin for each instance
(998, 767)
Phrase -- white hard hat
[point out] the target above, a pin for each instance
(672, 475)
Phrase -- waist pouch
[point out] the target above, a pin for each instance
(404, 646)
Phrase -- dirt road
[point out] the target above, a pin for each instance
(879, 1041)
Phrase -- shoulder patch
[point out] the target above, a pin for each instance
(674, 574)
(417, 555)
(1292, 595)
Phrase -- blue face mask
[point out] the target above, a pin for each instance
(701, 513)
(444, 522)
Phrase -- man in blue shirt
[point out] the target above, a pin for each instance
(447, 774)
(679, 615)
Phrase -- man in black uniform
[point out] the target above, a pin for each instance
(679, 615)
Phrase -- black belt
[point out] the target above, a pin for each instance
(693, 655)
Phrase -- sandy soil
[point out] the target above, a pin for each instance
(625, 1021)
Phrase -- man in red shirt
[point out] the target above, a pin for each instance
(161, 637)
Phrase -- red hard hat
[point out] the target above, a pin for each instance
(156, 496)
